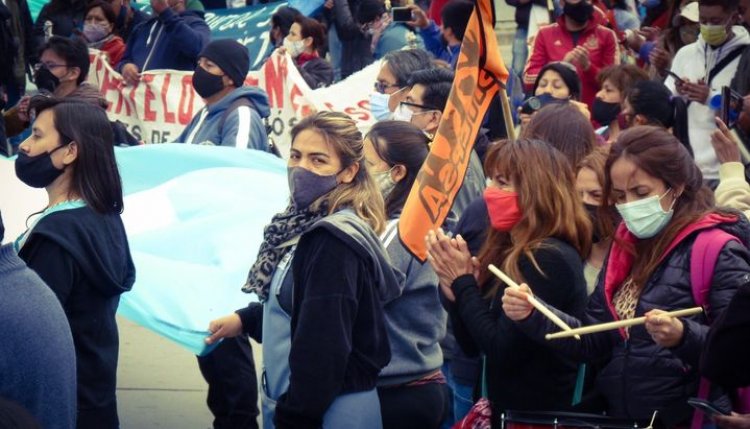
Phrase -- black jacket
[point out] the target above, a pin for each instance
(339, 340)
(726, 358)
(84, 258)
(356, 52)
(522, 374)
(641, 376)
(317, 72)
(65, 17)
(524, 10)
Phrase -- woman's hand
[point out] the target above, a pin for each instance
(23, 108)
(516, 303)
(724, 144)
(450, 258)
(735, 421)
(666, 331)
(224, 327)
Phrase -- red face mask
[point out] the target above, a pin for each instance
(503, 209)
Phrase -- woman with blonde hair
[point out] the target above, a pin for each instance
(539, 235)
(322, 276)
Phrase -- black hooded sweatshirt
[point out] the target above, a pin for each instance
(84, 257)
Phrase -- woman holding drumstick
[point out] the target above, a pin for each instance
(540, 234)
(659, 192)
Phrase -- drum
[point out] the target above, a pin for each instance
(563, 420)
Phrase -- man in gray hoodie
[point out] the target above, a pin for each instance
(234, 113)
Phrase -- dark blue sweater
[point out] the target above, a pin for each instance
(167, 41)
(37, 358)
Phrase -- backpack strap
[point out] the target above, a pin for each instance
(703, 256)
(724, 62)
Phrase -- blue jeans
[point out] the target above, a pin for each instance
(520, 51)
(461, 398)
(334, 47)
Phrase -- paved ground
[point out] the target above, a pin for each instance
(159, 384)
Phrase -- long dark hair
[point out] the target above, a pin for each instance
(95, 176)
(659, 154)
(399, 143)
(655, 102)
(550, 207)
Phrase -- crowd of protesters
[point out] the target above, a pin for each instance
(624, 195)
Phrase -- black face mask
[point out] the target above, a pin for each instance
(44, 79)
(205, 83)
(37, 171)
(604, 113)
(593, 211)
(580, 12)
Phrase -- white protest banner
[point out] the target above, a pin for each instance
(158, 108)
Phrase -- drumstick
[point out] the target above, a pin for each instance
(533, 301)
(601, 327)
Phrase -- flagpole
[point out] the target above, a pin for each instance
(507, 114)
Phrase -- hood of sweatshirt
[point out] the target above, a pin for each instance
(257, 97)
(348, 227)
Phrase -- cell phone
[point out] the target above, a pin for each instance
(731, 106)
(401, 14)
(708, 408)
(676, 78)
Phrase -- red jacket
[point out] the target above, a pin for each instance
(554, 41)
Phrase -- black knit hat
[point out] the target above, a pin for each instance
(231, 57)
(568, 74)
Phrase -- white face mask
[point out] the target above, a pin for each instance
(385, 182)
(403, 113)
(645, 218)
(294, 48)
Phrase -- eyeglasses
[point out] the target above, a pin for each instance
(412, 106)
(50, 66)
(381, 87)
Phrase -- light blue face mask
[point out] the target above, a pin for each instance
(645, 218)
(379, 106)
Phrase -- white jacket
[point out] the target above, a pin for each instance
(694, 62)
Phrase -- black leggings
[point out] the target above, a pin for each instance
(413, 407)
(232, 385)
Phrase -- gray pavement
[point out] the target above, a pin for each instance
(159, 384)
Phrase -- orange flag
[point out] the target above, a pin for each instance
(480, 74)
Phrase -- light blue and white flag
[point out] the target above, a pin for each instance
(194, 217)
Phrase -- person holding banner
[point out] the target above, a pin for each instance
(540, 232)
(412, 387)
(305, 39)
(669, 218)
(233, 113)
(98, 30)
(77, 244)
(323, 276)
(171, 40)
